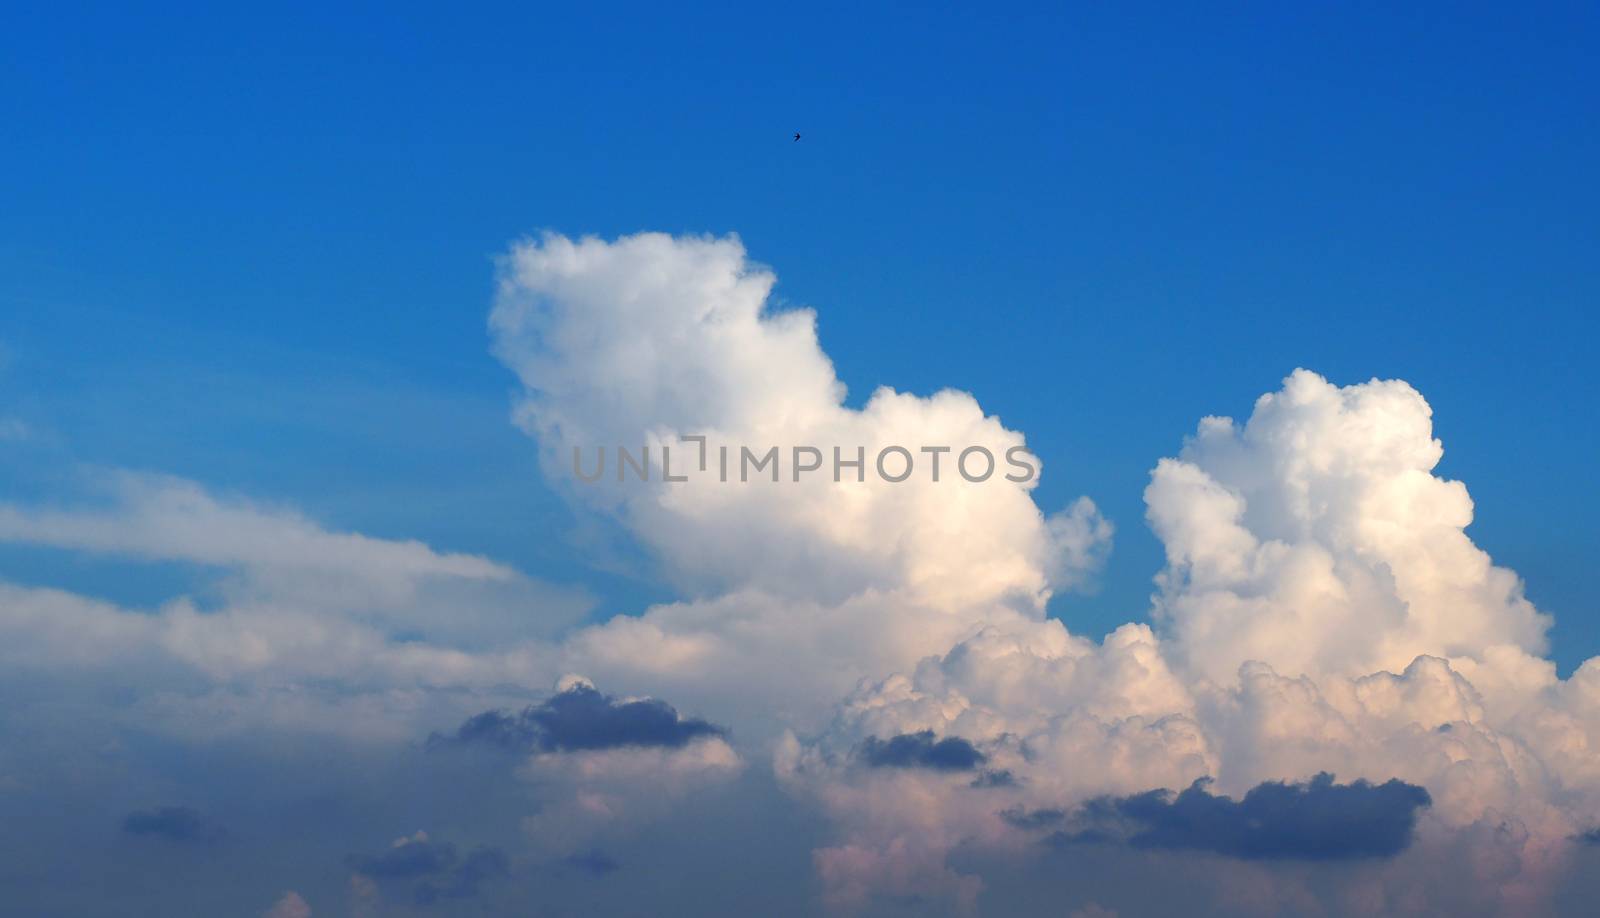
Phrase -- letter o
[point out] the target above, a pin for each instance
(961, 463)
(894, 449)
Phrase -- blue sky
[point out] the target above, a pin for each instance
(256, 249)
(1103, 223)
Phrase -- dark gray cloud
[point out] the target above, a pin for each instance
(1315, 820)
(581, 718)
(1001, 778)
(174, 823)
(440, 871)
(922, 750)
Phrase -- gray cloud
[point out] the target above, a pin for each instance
(1316, 820)
(581, 718)
(1001, 778)
(922, 750)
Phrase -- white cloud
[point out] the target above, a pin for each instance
(1316, 538)
(163, 518)
(289, 575)
(644, 340)
(1314, 566)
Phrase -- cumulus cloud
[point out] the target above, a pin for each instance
(1321, 609)
(651, 338)
(1315, 538)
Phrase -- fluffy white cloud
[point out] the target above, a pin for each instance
(1316, 537)
(642, 341)
(1322, 610)
(648, 339)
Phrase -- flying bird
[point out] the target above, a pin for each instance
(797, 136)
